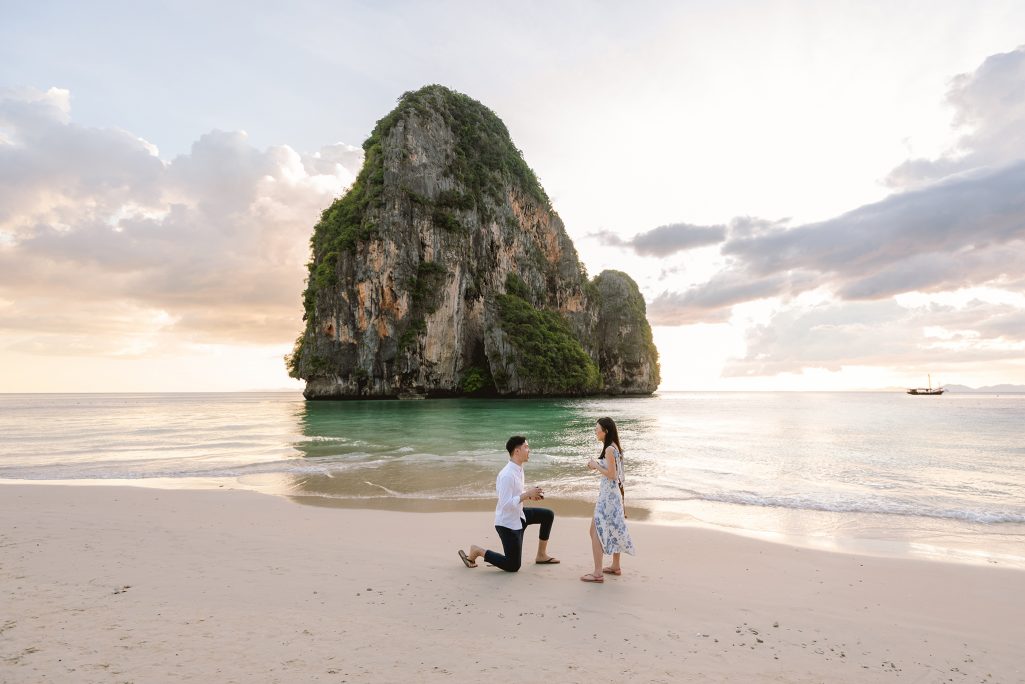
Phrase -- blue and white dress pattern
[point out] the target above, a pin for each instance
(609, 516)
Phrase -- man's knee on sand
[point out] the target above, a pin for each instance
(509, 563)
(513, 562)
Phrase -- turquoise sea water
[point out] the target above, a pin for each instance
(886, 471)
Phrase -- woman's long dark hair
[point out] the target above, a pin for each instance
(612, 437)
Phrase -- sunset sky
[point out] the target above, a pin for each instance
(811, 195)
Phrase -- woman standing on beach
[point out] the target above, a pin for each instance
(608, 527)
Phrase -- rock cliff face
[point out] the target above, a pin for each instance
(444, 271)
(621, 340)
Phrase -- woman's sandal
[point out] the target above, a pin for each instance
(589, 577)
(610, 571)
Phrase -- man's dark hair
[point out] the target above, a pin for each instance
(513, 443)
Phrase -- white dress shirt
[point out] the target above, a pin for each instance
(509, 486)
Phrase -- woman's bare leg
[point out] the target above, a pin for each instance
(596, 550)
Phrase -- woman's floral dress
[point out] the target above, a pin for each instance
(609, 516)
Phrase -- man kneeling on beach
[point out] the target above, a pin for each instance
(511, 518)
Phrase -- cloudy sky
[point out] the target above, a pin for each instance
(811, 195)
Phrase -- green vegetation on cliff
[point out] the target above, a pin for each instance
(343, 223)
(477, 380)
(484, 160)
(423, 289)
(549, 354)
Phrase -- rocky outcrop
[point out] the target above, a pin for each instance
(445, 271)
(621, 338)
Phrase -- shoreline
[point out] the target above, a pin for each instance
(113, 584)
(874, 535)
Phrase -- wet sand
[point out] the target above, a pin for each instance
(121, 584)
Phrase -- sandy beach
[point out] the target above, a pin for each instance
(121, 584)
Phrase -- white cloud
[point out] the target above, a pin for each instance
(882, 333)
(111, 250)
(668, 239)
(989, 106)
(957, 224)
(966, 229)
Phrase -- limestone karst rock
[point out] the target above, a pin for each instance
(444, 271)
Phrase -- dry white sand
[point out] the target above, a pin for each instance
(106, 584)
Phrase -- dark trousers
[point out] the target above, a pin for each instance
(512, 540)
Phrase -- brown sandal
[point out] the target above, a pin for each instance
(590, 577)
(466, 559)
(610, 571)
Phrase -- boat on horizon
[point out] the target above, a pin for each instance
(928, 391)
